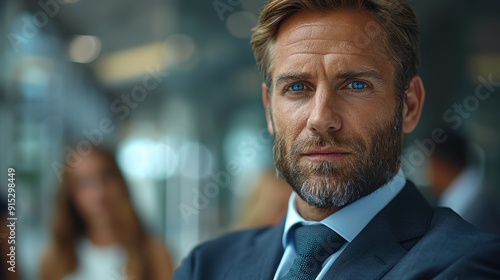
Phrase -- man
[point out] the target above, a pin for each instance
(457, 177)
(340, 91)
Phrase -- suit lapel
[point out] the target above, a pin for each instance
(386, 239)
(261, 260)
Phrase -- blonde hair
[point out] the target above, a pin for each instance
(396, 17)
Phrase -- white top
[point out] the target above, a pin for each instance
(99, 262)
(348, 222)
(462, 191)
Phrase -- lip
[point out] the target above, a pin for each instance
(323, 154)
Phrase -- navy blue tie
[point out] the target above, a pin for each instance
(314, 244)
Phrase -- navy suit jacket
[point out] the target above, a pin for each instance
(408, 239)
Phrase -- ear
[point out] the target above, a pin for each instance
(265, 100)
(413, 103)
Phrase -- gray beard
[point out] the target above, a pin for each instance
(327, 184)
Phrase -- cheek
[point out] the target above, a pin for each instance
(290, 118)
(113, 192)
(365, 116)
(84, 199)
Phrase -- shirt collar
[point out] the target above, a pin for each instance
(351, 219)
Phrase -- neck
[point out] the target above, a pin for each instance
(448, 175)
(313, 213)
(101, 234)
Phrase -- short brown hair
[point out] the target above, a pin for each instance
(396, 17)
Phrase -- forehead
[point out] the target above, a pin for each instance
(90, 164)
(350, 32)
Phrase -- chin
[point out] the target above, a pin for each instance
(327, 192)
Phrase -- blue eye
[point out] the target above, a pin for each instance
(357, 85)
(296, 87)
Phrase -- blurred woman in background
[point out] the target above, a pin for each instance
(96, 232)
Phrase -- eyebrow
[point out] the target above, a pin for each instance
(292, 76)
(366, 73)
(351, 74)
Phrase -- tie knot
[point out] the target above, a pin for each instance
(314, 244)
(317, 241)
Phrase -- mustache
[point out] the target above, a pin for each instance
(352, 144)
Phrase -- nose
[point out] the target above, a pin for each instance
(324, 116)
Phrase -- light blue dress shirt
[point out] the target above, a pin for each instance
(347, 222)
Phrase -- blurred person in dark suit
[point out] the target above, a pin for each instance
(5, 274)
(341, 89)
(456, 175)
(96, 232)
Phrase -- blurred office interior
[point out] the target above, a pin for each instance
(172, 87)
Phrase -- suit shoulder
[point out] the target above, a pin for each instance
(450, 225)
(232, 240)
(211, 259)
(457, 238)
(451, 247)
(465, 250)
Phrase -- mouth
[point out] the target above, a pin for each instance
(325, 154)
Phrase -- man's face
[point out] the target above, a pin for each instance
(333, 109)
